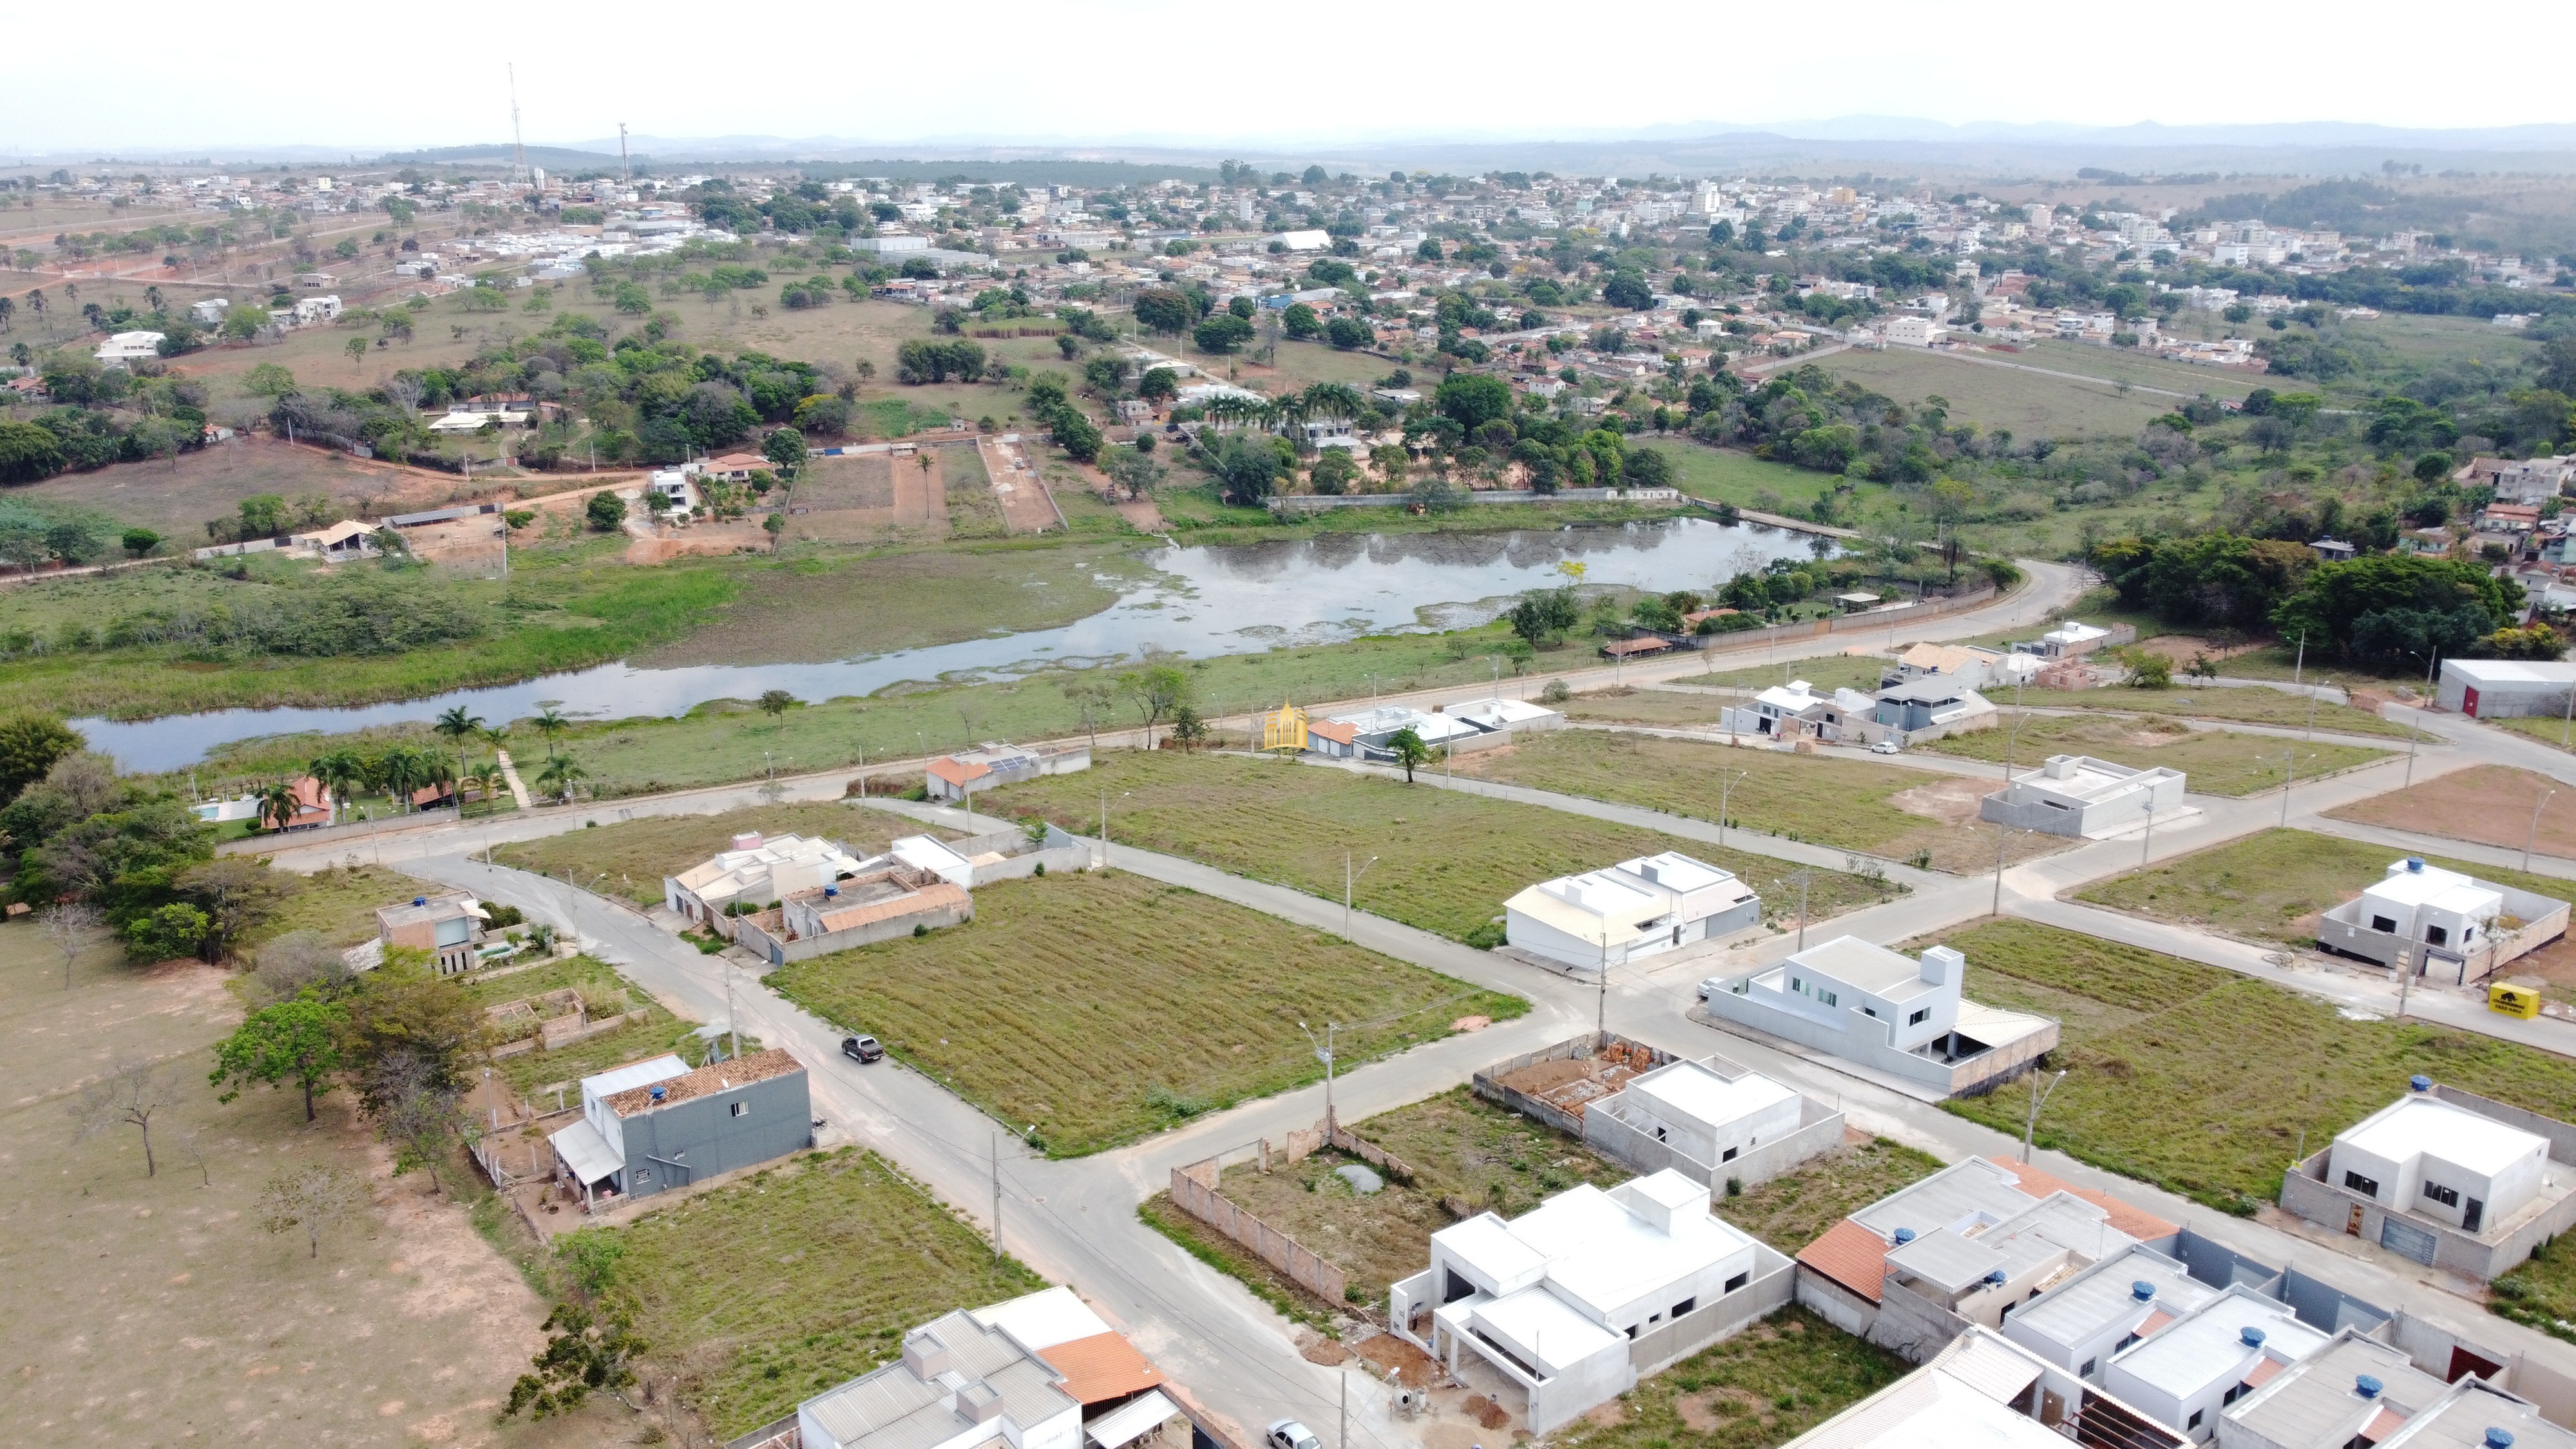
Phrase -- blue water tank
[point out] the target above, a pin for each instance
(2420, 1082)
(2253, 1337)
(2366, 1386)
(1904, 1236)
(2142, 1290)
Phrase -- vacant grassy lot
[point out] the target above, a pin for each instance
(1794, 1209)
(1723, 475)
(176, 497)
(2029, 404)
(537, 1073)
(2225, 705)
(803, 1275)
(1663, 708)
(2490, 804)
(1104, 1007)
(2216, 761)
(163, 1295)
(339, 905)
(1446, 861)
(634, 855)
(1847, 804)
(2239, 1071)
(2118, 364)
(1769, 1384)
(2272, 886)
(1826, 672)
(2542, 1292)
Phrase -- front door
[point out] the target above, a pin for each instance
(2472, 1213)
(2469, 702)
(2352, 1224)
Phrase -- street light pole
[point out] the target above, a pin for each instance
(2147, 842)
(2289, 776)
(1349, 877)
(2038, 1098)
(2534, 836)
(1723, 791)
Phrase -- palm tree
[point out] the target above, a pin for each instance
(560, 776)
(398, 772)
(1332, 400)
(497, 738)
(456, 724)
(434, 771)
(548, 723)
(343, 773)
(277, 804)
(486, 779)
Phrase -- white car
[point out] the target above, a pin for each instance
(1289, 1434)
(1887, 747)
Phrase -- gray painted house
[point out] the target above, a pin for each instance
(655, 1125)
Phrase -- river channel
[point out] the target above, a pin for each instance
(1224, 599)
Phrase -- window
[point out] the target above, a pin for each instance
(2366, 1186)
(1654, 1318)
(1828, 998)
(2437, 936)
(2387, 924)
(741, 1108)
(2446, 1196)
(2124, 1343)
(1727, 1156)
(1919, 1017)
(1659, 1134)
(1795, 984)
(1869, 1011)
(2194, 1421)
(2086, 1372)
(1632, 1330)
(2234, 1393)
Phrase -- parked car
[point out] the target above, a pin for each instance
(862, 1048)
(1711, 987)
(1887, 747)
(1289, 1434)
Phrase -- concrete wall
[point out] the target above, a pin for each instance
(1774, 1287)
(1488, 1084)
(1980, 1073)
(1820, 1130)
(759, 934)
(1194, 1191)
(704, 1135)
(1835, 1303)
(1912, 1326)
(2345, 929)
(2306, 1192)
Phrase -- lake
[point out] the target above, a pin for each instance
(1226, 599)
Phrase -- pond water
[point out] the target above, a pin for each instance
(1228, 599)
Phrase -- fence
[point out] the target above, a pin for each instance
(1488, 1083)
(1465, 497)
(1194, 1191)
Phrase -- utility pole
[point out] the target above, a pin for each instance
(1324, 1054)
(2147, 841)
(997, 1194)
(2019, 714)
(2411, 965)
(1723, 790)
(2534, 836)
(1348, 877)
(2038, 1098)
(2289, 774)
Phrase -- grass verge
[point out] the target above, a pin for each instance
(2272, 886)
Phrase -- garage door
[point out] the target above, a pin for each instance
(2406, 1241)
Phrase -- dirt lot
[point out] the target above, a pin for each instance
(2489, 804)
(1570, 1083)
(167, 1312)
(175, 498)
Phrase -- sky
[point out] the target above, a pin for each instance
(372, 78)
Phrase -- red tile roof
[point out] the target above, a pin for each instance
(958, 772)
(1338, 731)
(1102, 1367)
(1851, 1255)
(2145, 1227)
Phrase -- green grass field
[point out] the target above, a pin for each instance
(2271, 886)
(536, 1073)
(801, 1276)
(2227, 706)
(2239, 1072)
(1842, 803)
(1795, 1208)
(634, 855)
(1103, 1007)
(1826, 672)
(1763, 1387)
(2216, 762)
(2028, 404)
(1446, 861)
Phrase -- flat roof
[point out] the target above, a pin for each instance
(2312, 1405)
(634, 1074)
(1548, 1325)
(1043, 1319)
(1691, 1090)
(2104, 1294)
(2490, 672)
(1865, 966)
(2208, 1343)
(2419, 1124)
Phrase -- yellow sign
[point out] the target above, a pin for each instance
(2521, 1001)
(1283, 728)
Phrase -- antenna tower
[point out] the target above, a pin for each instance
(518, 144)
(625, 168)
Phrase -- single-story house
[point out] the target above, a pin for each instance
(2446, 1177)
(1365, 735)
(2183, 1374)
(953, 777)
(1931, 707)
(313, 807)
(755, 872)
(449, 926)
(1635, 909)
(2504, 688)
(655, 1125)
(1966, 665)
(1712, 1121)
(2083, 796)
(1577, 1299)
(349, 538)
(2465, 928)
(1795, 711)
(125, 348)
(2072, 639)
(1982, 1389)
(1506, 716)
(738, 467)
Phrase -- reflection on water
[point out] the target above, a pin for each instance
(1229, 599)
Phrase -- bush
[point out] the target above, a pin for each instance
(1555, 692)
(605, 511)
(921, 360)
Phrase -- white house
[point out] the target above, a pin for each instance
(1911, 331)
(2185, 1373)
(2465, 928)
(2503, 688)
(2082, 1321)
(756, 872)
(2423, 1155)
(209, 312)
(1796, 711)
(1555, 1299)
(1715, 1117)
(2534, 480)
(129, 347)
(1966, 665)
(1301, 241)
(2082, 796)
(1366, 734)
(1982, 1391)
(1635, 909)
(2072, 638)
(325, 308)
(2355, 1390)
(960, 1384)
(1867, 1004)
(677, 487)
(953, 777)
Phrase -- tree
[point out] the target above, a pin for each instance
(786, 448)
(277, 804)
(68, 925)
(586, 1354)
(776, 702)
(268, 379)
(561, 777)
(459, 726)
(139, 541)
(297, 1040)
(417, 1111)
(1301, 322)
(28, 453)
(1222, 333)
(1249, 469)
(590, 1257)
(1542, 614)
(310, 1198)
(1092, 696)
(343, 772)
(1629, 290)
(605, 511)
(1187, 727)
(30, 742)
(1164, 310)
(1075, 434)
(1159, 384)
(1136, 472)
(356, 347)
(171, 933)
(408, 1024)
(1334, 472)
(549, 723)
(1473, 399)
(1156, 690)
(1409, 750)
(129, 1096)
(2388, 609)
